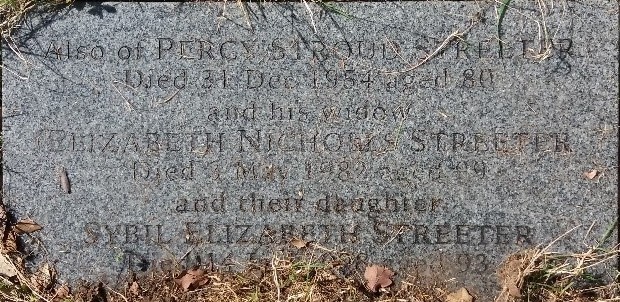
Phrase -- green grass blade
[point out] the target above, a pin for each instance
(502, 13)
(609, 232)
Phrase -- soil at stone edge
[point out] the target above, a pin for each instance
(315, 273)
(307, 279)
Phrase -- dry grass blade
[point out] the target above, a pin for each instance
(11, 13)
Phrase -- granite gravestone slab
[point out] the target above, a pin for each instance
(407, 133)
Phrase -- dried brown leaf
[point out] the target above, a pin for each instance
(460, 295)
(135, 289)
(26, 226)
(510, 272)
(63, 292)
(192, 279)
(44, 278)
(10, 243)
(513, 290)
(591, 174)
(6, 266)
(378, 277)
(63, 179)
(325, 276)
(3, 220)
(299, 243)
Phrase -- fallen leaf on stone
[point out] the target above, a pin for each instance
(63, 178)
(591, 174)
(299, 243)
(134, 289)
(378, 277)
(6, 266)
(192, 279)
(460, 295)
(26, 226)
(63, 292)
(44, 278)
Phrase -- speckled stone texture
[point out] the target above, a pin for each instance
(404, 133)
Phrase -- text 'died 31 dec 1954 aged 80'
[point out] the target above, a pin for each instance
(405, 133)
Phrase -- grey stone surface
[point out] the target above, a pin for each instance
(214, 134)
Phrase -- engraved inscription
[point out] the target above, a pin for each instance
(424, 141)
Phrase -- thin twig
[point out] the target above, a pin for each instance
(275, 275)
(113, 291)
